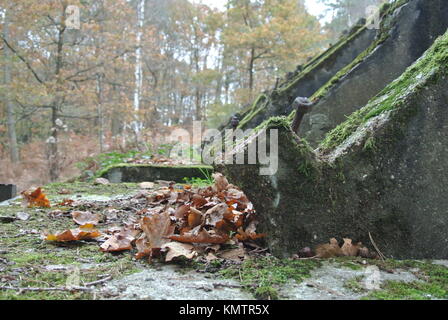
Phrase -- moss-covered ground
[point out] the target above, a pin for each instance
(26, 260)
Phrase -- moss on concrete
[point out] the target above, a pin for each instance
(264, 276)
(143, 172)
(386, 10)
(430, 67)
(432, 284)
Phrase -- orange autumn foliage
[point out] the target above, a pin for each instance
(36, 199)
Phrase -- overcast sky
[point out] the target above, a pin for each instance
(314, 7)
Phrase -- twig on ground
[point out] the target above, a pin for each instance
(382, 256)
(94, 283)
(46, 289)
(226, 285)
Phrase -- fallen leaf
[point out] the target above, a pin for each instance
(329, 250)
(65, 203)
(249, 233)
(221, 182)
(120, 241)
(198, 200)
(194, 218)
(85, 218)
(202, 237)
(157, 229)
(176, 249)
(216, 214)
(143, 247)
(348, 249)
(73, 235)
(36, 199)
(182, 212)
(237, 254)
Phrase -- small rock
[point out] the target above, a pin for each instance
(101, 181)
(22, 216)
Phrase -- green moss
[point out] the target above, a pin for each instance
(432, 283)
(264, 276)
(259, 105)
(355, 284)
(329, 54)
(430, 67)
(28, 255)
(354, 263)
(85, 188)
(266, 293)
(370, 144)
(102, 172)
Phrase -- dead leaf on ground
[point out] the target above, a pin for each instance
(198, 200)
(36, 198)
(202, 237)
(157, 229)
(237, 254)
(329, 250)
(221, 182)
(143, 247)
(194, 218)
(249, 233)
(177, 249)
(216, 214)
(182, 212)
(348, 249)
(86, 218)
(65, 203)
(120, 241)
(73, 235)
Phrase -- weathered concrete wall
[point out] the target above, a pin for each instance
(314, 75)
(141, 173)
(411, 31)
(383, 171)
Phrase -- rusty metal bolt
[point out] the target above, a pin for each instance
(302, 106)
(234, 122)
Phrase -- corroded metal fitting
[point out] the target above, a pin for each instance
(303, 106)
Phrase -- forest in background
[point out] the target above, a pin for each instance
(135, 70)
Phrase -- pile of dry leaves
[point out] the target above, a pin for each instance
(170, 223)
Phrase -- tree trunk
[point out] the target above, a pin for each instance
(57, 104)
(251, 71)
(138, 66)
(11, 122)
(99, 92)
